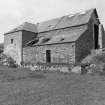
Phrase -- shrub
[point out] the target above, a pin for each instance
(95, 59)
(11, 62)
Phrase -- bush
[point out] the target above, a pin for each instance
(11, 62)
(98, 60)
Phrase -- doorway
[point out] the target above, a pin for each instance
(96, 36)
(48, 56)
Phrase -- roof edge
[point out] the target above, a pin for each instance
(45, 31)
(17, 31)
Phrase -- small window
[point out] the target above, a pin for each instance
(11, 41)
(62, 39)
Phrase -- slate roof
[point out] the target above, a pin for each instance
(57, 23)
(70, 36)
(72, 20)
(66, 21)
(25, 26)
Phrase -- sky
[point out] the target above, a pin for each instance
(15, 12)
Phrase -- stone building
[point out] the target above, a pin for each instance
(67, 39)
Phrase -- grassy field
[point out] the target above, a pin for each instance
(24, 87)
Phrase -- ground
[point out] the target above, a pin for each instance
(24, 87)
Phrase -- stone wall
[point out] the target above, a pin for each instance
(60, 53)
(13, 49)
(85, 43)
(49, 67)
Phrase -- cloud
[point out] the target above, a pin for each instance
(40, 10)
(10, 7)
(9, 15)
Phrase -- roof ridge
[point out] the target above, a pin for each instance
(66, 15)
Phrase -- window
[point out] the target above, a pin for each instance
(11, 41)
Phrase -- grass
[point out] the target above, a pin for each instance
(24, 87)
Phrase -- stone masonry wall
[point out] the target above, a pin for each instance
(13, 49)
(85, 43)
(60, 53)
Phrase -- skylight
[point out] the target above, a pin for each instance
(71, 15)
(45, 40)
(49, 25)
(32, 42)
(83, 12)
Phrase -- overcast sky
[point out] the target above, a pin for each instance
(15, 12)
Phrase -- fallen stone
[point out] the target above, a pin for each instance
(64, 69)
(76, 69)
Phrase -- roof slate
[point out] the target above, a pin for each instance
(25, 26)
(61, 38)
(66, 21)
(57, 23)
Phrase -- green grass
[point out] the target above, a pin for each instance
(24, 87)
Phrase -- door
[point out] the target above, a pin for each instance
(96, 36)
(48, 56)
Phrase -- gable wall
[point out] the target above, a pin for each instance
(14, 50)
(85, 43)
